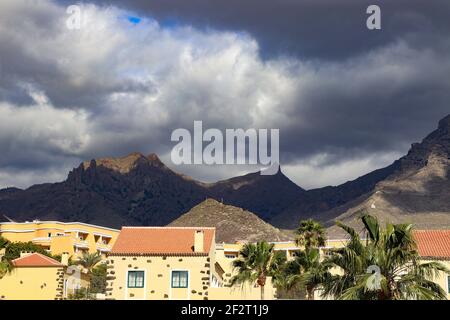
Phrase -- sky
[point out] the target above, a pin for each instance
(346, 99)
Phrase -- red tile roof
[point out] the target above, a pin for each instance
(36, 260)
(433, 243)
(161, 241)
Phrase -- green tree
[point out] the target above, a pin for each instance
(309, 271)
(256, 263)
(3, 242)
(13, 250)
(310, 234)
(98, 279)
(79, 294)
(5, 268)
(392, 254)
(89, 261)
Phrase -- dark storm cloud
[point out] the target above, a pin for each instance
(346, 100)
(316, 29)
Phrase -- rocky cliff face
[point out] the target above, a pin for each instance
(417, 192)
(435, 146)
(267, 196)
(140, 190)
(133, 190)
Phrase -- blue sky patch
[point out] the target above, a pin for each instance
(134, 20)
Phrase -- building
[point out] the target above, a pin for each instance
(158, 263)
(34, 277)
(221, 288)
(226, 253)
(434, 245)
(58, 237)
(161, 263)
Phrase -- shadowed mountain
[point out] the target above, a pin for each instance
(134, 190)
(265, 195)
(231, 223)
(139, 190)
(417, 192)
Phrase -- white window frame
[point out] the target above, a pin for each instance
(188, 284)
(143, 288)
(448, 284)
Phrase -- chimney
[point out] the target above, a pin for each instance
(25, 253)
(198, 240)
(65, 258)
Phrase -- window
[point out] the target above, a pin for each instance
(179, 279)
(448, 284)
(230, 256)
(135, 279)
(49, 234)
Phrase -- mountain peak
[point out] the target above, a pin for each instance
(125, 164)
(435, 145)
(444, 123)
(442, 133)
(154, 159)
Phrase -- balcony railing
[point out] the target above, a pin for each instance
(41, 240)
(103, 247)
(81, 243)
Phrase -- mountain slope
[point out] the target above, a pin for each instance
(140, 190)
(133, 190)
(232, 223)
(418, 192)
(316, 201)
(265, 195)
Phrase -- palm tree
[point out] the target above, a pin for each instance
(258, 261)
(88, 261)
(3, 242)
(392, 254)
(310, 233)
(5, 265)
(5, 268)
(309, 271)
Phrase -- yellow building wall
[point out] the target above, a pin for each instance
(32, 283)
(61, 244)
(64, 236)
(245, 292)
(238, 292)
(18, 237)
(157, 278)
(442, 279)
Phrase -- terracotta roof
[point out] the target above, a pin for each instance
(36, 260)
(433, 243)
(161, 241)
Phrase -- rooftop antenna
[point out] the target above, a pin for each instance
(9, 219)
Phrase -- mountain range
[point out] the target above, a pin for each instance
(141, 190)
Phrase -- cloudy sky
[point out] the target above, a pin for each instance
(346, 99)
